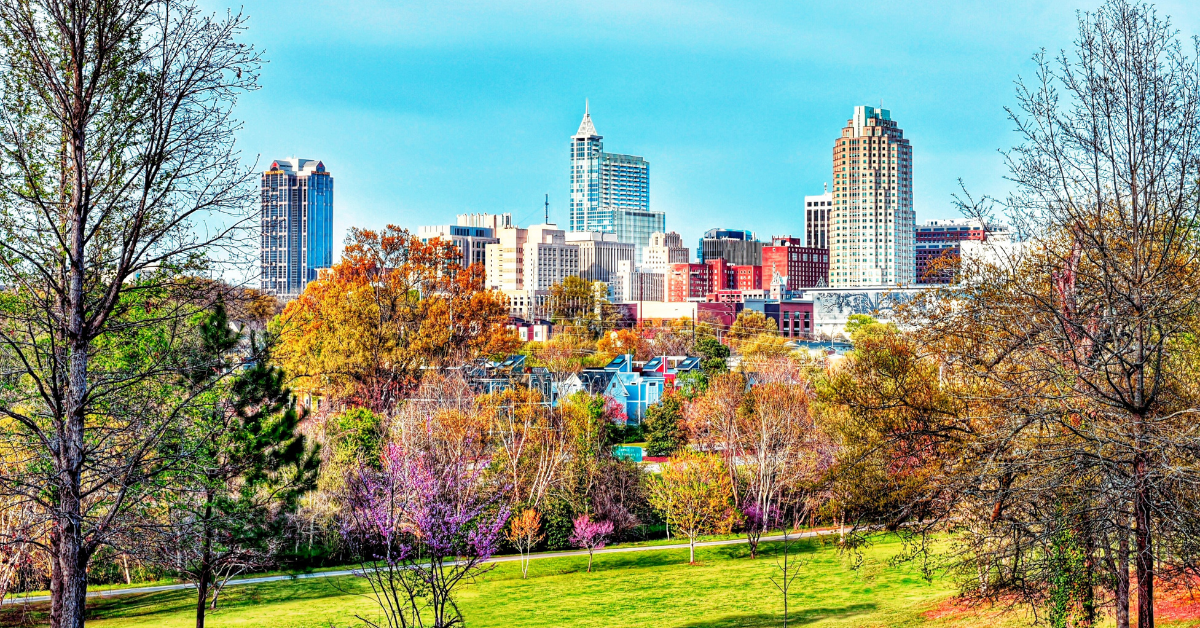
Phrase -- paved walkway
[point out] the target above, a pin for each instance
(350, 572)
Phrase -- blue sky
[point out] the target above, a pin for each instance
(422, 110)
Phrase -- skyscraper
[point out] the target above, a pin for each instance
(871, 227)
(610, 192)
(816, 220)
(297, 225)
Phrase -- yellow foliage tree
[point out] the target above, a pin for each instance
(695, 496)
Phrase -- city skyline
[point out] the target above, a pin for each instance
(431, 111)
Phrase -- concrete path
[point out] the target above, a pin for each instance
(350, 572)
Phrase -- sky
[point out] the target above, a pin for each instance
(424, 110)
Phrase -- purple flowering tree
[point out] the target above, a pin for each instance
(420, 525)
(590, 535)
(758, 519)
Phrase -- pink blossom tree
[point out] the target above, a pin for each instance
(420, 525)
(590, 535)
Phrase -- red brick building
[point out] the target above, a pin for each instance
(748, 277)
(688, 281)
(938, 247)
(803, 266)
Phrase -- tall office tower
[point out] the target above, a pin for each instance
(297, 225)
(736, 246)
(816, 220)
(664, 250)
(872, 224)
(599, 254)
(610, 192)
(471, 241)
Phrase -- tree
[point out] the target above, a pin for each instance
(763, 348)
(117, 139)
(524, 532)
(751, 324)
(714, 419)
(590, 535)
(622, 341)
(675, 337)
(663, 426)
(714, 354)
(1075, 364)
(695, 496)
(421, 526)
(247, 468)
(857, 322)
(363, 333)
(577, 302)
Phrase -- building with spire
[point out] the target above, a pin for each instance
(610, 193)
(872, 223)
(296, 222)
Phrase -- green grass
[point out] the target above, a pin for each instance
(651, 588)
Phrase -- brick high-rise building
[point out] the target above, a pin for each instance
(297, 225)
(871, 227)
(802, 266)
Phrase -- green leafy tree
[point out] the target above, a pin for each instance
(248, 467)
(714, 355)
(663, 426)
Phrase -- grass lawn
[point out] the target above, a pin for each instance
(651, 588)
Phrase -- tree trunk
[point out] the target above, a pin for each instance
(72, 556)
(1144, 544)
(125, 564)
(691, 550)
(589, 560)
(1122, 577)
(205, 571)
(55, 581)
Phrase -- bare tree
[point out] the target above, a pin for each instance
(119, 177)
(1075, 361)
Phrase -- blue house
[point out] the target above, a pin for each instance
(635, 389)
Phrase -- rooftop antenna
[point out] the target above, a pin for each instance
(826, 188)
(547, 208)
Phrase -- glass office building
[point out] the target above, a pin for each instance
(297, 225)
(609, 192)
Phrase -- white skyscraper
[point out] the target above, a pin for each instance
(872, 225)
(610, 192)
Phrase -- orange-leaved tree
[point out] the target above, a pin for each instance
(361, 333)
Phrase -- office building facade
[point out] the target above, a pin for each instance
(872, 225)
(599, 254)
(798, 265)
(296, 222)
(939, 246)
(664, 250)
(610, 193)
(736, 246)
(816, 220)
(471, 241)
